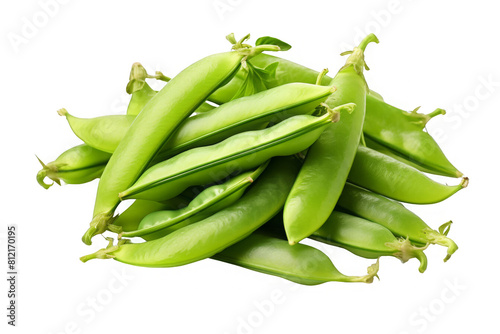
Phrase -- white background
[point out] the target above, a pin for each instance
(433, 54)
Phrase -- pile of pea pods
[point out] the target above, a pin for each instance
(243, 155)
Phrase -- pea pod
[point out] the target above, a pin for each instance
(79, 164)
(395, 155)
(410, 140)
(247, 113)
(301, 264)
(217, 232)
(389, 177)
(129, 219)
(394, 216)
(400, 130)
(103, 133)
(155, 124)
(204, 201)
(240, 152)
(328, 160)
(367, 239)
(84, 163)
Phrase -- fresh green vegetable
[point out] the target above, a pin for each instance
(206, 200)
(79, 164)
(240, 152)
(300, 263)
(394, 216)
(409, 140)
(244, 114)
(215, 233)
(328, 160)
(389, 177)
(367, 239)
(155, 124)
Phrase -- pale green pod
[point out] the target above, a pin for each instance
(240, 152)
(206, 200)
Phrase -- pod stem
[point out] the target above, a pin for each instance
(138, 76)
(320, 77)
(405, 251)
(247, 50)
(335, 112)
(441, 238)
(422, 119)
(357, 55)
(372, 273)
(98, 225)
(105, 253)
(47, 171)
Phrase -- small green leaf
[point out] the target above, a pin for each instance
(273, 41)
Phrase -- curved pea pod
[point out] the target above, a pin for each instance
(389, 177)
(394, 216)
(244, 114)
(301, 264)
(79, 164)
(286, 72)
(208, 199)
(396, 155)
(155, 124)
(129, 219)
(410, 140)
(328, 160)
(367, 239)
(240, 152)
(217, 232)
(103, 133)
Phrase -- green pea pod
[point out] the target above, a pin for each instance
(399, 129)
(155, 124)
(203, 165)
(389, 177)
(205, 200)
(392, 215)
(129, 219)
(83, 163)
(79, 164)
(247, 113)
(393, 154)
(215, 233)
(410, 141)
(329, 159)
(367, 239)
(301, 264)
(103, 133)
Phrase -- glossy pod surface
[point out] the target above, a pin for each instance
(389, 177)
(213, 234)
(241, 152)
(129, 219)
(410, 140)
(244, 114)
(103, 133)
(79, 164)
(370, 143)
(401, 131)
(300, 263)
(329, 159)
(153, 126)
(207, 199)
(392, 215)
(209, 127)
(366, 239)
